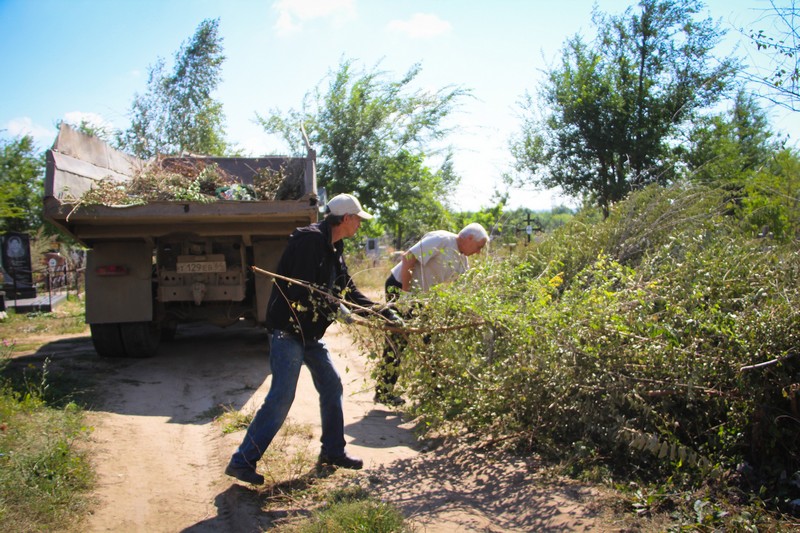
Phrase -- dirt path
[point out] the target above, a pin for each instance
(159, 458)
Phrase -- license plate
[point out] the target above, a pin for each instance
(194, 268)
(201, 264)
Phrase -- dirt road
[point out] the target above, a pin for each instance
(159, 457)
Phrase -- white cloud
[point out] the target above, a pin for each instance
(421, 26)
(292, 13)
(42, 135)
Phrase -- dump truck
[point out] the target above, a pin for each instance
(155, 265)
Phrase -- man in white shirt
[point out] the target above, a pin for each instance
(439, 257)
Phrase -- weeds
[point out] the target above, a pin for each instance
(231, 420)
(360, 515)
(43, 477)
(351, 508)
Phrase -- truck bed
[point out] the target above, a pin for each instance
(77, 162)
(156, 219)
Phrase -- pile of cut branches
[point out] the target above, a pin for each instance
(181, 180)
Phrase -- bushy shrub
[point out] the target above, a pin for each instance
(662, 341)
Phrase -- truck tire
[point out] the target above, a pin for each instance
(127, 339)
(168, 330)
(107, 340)
(140, 338)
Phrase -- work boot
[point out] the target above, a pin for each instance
(244, 473)
(343, 461)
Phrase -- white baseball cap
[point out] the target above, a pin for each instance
(346, 204)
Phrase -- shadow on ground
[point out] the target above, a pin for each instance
(203, 368)
(484, 491)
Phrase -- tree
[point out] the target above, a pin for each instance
(772, 201)
(374, 136)
(728, 148)
(178, 113)
(20, 185)
(780, 46)
(612, 109)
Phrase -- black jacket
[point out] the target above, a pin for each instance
(312, 258)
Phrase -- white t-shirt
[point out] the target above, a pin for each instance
(438, 260)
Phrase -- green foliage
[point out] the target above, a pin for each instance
(490, 218)
(512, 224)
(353, 510)
(771, 199)
(178, 113)
(730, 147)
(631, 344)
(231, 420)
(613, 108)
(375, 135)
(43, 476)
(21, 185)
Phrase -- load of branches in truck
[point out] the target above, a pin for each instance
(197, 179)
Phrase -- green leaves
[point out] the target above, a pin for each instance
(178, 113)
(639, 325)
(375, 135)
(21, 185)
(614, 108)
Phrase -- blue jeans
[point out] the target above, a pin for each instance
(287, 355)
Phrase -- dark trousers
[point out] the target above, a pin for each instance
(387, 368)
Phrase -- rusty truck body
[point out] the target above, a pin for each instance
(153, 266)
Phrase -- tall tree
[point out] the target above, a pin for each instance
(611, 109)
(730, 147)
(178, 112)
(20, 185)
(374, 136)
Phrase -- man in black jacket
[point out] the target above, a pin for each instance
(298, 317)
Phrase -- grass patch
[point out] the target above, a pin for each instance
(43, 476)
(229, 419)
(66, 319)
(360, 515)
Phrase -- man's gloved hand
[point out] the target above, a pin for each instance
(391, 315)
(345, 315)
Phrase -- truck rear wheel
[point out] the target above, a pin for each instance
(140, 338)
(107, 340)
(126, 339)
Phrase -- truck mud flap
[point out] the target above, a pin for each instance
(128, 339)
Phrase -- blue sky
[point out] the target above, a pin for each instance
(87, 58)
